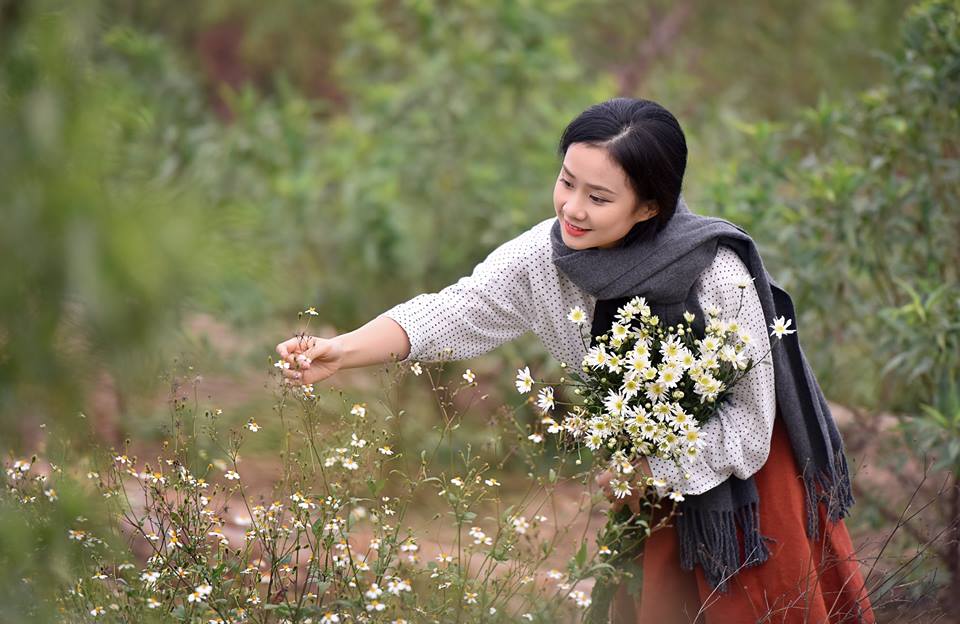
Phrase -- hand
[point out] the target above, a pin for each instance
(311, 358)
(641, 471)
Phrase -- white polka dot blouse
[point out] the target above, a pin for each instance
(517, 289)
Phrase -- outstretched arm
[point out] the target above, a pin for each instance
(468, 318)
(476, 314)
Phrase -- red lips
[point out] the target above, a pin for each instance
(572, 230)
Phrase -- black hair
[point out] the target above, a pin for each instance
(646, 140)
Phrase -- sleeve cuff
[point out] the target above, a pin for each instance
(397, 315)
(671, 477)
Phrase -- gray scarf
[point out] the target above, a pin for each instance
(663, 266)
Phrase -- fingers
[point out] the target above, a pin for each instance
(306, 376)
(290, 347)
(632, 500)
(290, 373)
(603, 479)
(318, 348)
(603, 482)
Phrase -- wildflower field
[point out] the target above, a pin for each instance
(178, 186)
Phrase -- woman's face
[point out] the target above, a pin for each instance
(593, 193)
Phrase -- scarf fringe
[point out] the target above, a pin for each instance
(832, 487)
(709, 537)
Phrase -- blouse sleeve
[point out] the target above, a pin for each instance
(737, 438)
(474, 315)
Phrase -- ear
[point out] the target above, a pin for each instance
(646, 210)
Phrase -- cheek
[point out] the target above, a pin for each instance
(557, 196)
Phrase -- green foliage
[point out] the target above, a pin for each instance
(99, 251)
(763, 60)
(450, 134)
(855, 207)
(127, 199)
(35, 551)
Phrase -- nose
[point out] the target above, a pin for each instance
(575, 210)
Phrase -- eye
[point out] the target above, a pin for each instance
(599, 200)
(566, 183)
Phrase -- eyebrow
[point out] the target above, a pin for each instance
(593, 186)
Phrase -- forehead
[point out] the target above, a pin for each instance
(593, 165)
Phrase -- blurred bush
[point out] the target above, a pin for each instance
(99, 247)
(233, 161)
(855, 206)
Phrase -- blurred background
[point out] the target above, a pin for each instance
(178, 180)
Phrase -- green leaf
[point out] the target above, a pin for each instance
(581, 556)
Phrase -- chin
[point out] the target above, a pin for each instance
(574, 243)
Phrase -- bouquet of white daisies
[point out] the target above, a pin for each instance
(645, 390)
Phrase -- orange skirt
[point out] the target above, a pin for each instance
(803, 580)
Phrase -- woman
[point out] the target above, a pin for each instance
(760, 534)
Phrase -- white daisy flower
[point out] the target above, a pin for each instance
(577, 316)
(692, 437)
(615, 402)
(669, 376)
(619, 332)
(524, 381)
(545, 399)
(670, 348)
(709, 344)
(656, 391)
(596, 356)
(620, 488)
(551, 425)
(373, 592)
(728, 353)
(780, 327)
(631, 386)
(583, 600)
